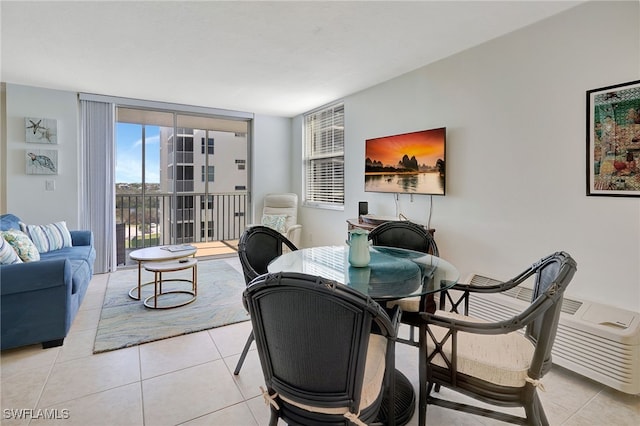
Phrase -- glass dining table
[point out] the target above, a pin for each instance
(392, 274)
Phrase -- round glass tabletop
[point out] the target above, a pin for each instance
(391, 274)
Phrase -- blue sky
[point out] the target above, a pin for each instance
(129, 153)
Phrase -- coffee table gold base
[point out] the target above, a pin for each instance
(158, 268)
(152, 301)
(138, 289)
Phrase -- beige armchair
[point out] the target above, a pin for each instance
(280, 212)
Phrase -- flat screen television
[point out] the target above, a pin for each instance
(408, 163)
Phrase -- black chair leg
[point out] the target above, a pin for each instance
(534, 412)
(422, 376)
(412, 337)
(244, 354)
(273, 420)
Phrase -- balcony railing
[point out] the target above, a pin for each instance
(163, 218)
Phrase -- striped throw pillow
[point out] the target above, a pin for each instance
(48, 237)
(7, 254)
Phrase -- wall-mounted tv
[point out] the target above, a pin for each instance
(411, 163)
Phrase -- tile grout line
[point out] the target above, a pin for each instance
(583, 406)
(46, 381)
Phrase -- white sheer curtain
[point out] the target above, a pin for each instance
(97, 190)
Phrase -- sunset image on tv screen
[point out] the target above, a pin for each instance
(407, 163)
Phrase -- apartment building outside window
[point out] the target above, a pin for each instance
(324, 157)
(207, 146)
(208, 173)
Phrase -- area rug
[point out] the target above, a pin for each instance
(127, 322)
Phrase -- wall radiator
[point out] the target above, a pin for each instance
(598, 341)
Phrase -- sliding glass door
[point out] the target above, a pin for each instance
(180, 178)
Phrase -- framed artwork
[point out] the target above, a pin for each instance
(41, 130)
(613, 140)
(42, 162)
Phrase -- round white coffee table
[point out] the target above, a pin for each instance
(156, 254)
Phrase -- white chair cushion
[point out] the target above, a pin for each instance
(411, 304)
(408, 304)
(373, 377)
(501, 359)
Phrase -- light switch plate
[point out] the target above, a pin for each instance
(50, 185)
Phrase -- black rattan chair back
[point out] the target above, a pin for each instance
(552, 275)
(410, 236)
(312, 336)
(258, 246)
(404, 234)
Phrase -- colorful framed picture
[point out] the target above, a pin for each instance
(42, 162)
(613, 140)
(41, 130)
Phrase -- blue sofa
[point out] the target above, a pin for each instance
(40, 299)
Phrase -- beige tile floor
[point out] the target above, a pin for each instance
(188, 380)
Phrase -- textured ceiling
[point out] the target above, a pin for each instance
(278, 58)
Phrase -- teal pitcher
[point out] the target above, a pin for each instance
(358, 248)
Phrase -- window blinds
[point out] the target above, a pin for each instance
(324, 156)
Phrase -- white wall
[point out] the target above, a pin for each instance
(270, 159)
(26, 195)
(514, 109)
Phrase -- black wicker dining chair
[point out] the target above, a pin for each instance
(258, 246)
(404, 234)
(322, 364)
(410, 236)
(499, 363)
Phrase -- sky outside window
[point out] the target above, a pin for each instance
(129, 153)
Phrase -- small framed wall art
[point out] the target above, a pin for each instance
(41, 130)
(42, 162)
(613, 140)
